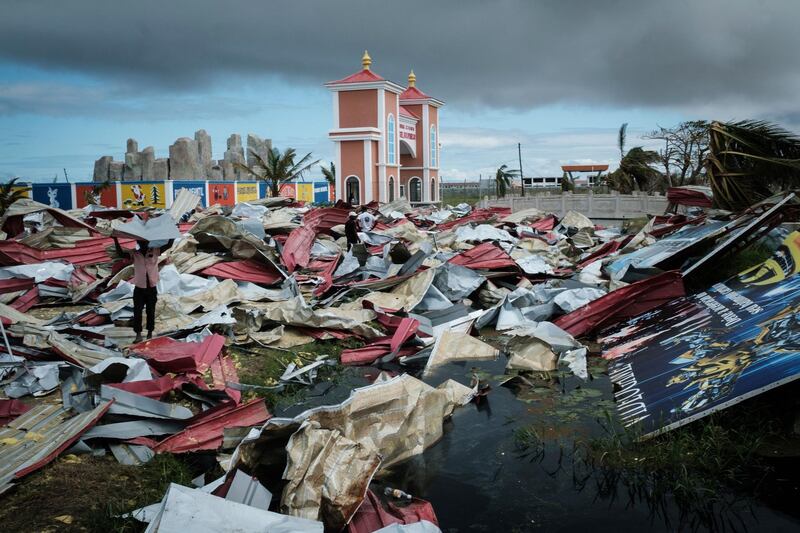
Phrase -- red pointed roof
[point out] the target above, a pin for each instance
(412, 93)
(406, 113)
(360, 77)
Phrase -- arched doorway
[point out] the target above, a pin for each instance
(415, 190)
(391, 188)
(352, 190)
(433, 189)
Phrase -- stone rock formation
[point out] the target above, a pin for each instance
(259, 146)
(189, 159)
(101, 168)
(234, 154)
(160, 169)
(204, 152)
(184, 160)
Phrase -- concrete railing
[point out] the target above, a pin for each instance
(612, 206)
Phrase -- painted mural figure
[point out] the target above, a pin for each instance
(52, 194)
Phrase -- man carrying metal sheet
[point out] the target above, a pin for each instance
(145, 280)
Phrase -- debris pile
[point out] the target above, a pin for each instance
(410, 296)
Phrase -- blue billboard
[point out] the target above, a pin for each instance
(705, 352)
(197, 187)
(58, 195)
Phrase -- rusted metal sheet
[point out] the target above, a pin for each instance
(325, 218)
(37, 437)
(246, 270)
(204, 431)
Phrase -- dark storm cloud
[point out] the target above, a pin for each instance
(517, 53)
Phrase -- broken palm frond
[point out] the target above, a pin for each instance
(750, 161)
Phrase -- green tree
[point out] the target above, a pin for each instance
(750, 161)
(10, 194)
(278, 167)
(635, 172)
(329, 173)
(503, 179)
(684, 153)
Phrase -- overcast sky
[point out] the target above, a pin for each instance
(78, 78)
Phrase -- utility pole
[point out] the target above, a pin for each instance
(521, 176)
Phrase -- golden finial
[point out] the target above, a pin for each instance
(412, 79)
(366, 61)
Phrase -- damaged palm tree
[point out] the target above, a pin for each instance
(749, 161)
(10, 193)
(278, 168)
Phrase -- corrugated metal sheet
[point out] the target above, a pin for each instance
(485, 256)
(86, 252)
(34, 439)
(207, 430)
(297, 248)
(244, 271)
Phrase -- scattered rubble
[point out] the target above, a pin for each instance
(275, 274)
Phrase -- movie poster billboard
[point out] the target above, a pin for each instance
(221, 193)
(58, 195)
(86, 194)
(705, 352)
(247, 191)
(196, 187)
(140, 194)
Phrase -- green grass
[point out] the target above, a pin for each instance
(262, 367)
(87, 493)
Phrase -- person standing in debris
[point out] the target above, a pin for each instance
(351, 231)
(366, 220)
(145, 280)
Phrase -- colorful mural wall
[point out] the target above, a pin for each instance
(160, 194)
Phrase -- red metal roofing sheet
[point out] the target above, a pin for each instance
(11, 409)
(168, 355)
(482, 214)
(248, 270)
(297, 248)
(372, 516)
(625, 302)
(204, 431)
(689, 197)
(486, 255)
(15, 284)
(26, 301)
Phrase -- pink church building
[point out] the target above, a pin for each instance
(386, 139)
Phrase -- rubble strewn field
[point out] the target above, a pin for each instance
(289, 377)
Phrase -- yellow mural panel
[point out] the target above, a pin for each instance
(143, 194)
(246, 192)
(305, 192)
